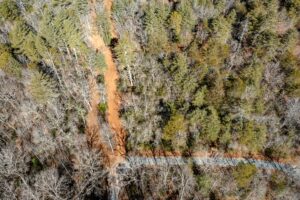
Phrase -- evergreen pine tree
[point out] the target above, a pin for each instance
(42, 88)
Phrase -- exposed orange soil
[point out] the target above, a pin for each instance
(111, 77)
(92, 120)
(93, 127)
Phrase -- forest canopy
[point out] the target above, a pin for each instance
(192, 77)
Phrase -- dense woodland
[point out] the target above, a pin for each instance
(195, 75)
(202, 74)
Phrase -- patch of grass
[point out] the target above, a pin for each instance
(244, 174)
(102, 107)
(36, 165)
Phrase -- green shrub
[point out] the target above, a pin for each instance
(204, 184)
(155, 19)
(279, 151)
(175, 23)
(9, 10)
(102, 107)
(253, 136)
(278, 182)
(174, 133)
(244, 174)
(199, 98)
(36, 164)
(9, 64)
(235, 87)
(42, 88)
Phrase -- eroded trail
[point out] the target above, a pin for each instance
(92, 120)
(111, 77)
(93, 127)
(113, 99)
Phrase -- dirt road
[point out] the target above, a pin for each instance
(92, 121)
(113, 99)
